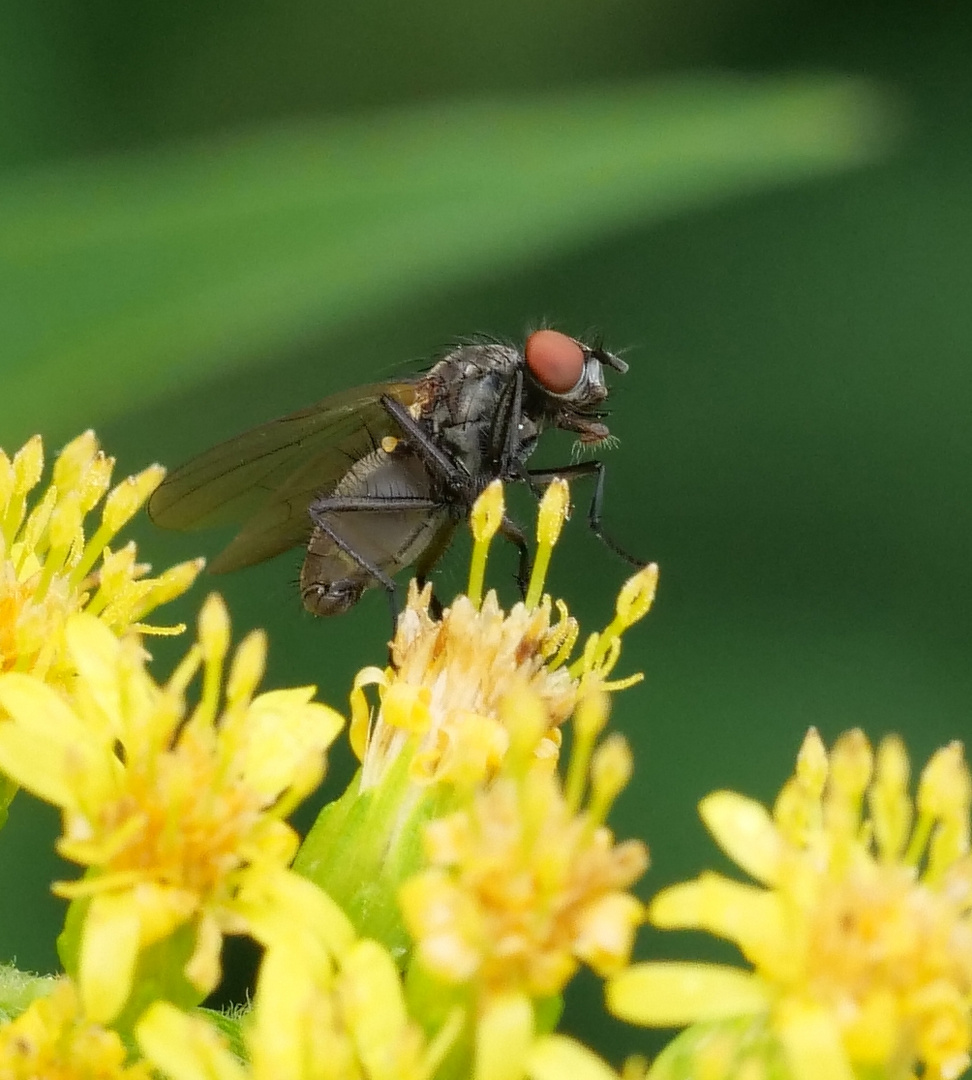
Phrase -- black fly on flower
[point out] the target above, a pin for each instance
(377, 478)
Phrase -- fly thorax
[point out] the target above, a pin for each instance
(528, 433)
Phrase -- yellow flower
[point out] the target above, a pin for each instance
(178, 817)
(53, 1040)
(49, 570)
(336, 1008)
(446, 698)
(556, 1057)
(521, 887)
(323, 1008)
(861, 939)
(466, 692)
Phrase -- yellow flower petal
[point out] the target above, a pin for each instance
(248, 668)
(503, 1036)
(745, 831)
(888, 799)
(95, 652)
(286, 736)
(752, 917)
(556, 1057)
(203, 968)
(371, 997)
(811, 1041)
(676, 994)
(283, 906)
(109, 951)
(606, 932)
(812, 764)
(126, 499)
(161, 909)
(44, 745)
(185, 1047)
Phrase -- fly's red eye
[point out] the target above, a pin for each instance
(556, 360)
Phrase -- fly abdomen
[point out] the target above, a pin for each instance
(334, 598)
(380, 518)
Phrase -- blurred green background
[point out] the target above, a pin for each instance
(213, 214)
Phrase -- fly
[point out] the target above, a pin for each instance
(377, 478)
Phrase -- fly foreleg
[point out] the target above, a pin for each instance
(538, 479)
(514, 534)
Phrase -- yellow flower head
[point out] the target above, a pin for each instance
(521, 886)
(53, 1040)
(516, 883)
(50, 570)
(319, 1011)
(450, 692)
(861, 936)
(175, 814)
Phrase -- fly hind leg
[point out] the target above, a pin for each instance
(336, 597)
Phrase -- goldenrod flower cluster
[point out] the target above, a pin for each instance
(521, 887)
(53, 1039)
(860, 935)
(49, 569)
(453, 697)
(429, 923)
(321, 1009)
(176, 811)
(500, 880)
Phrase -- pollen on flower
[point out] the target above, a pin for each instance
(52, 1038)
(49, 569)
(177, 813)
(520, 889)
(863, 932)
(448, 683)
(446, 697)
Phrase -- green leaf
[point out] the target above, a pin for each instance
(230, 1025)
(363, 846)
(18, 989)
(124, 278)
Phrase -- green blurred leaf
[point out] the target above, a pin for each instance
(125, 277)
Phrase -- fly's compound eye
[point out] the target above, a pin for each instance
(555, 360)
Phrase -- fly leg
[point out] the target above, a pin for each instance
(336, 597)
(443, 467)
(507, 425)
(514, 534)
(379, 504)
(455, 476)
(431, 555)
(540, 478)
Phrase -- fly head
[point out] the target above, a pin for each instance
(566, 383)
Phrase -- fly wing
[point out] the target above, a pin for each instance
(266, 478)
